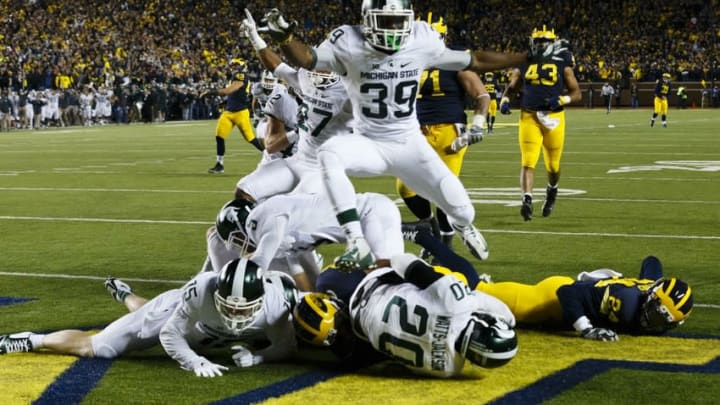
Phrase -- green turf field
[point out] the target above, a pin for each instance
(79, 204)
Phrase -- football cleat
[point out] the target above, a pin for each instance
(118, 289)
(652, 123)
(218, 168)
(15, 343)
(664, 124)
(550, 195)
(473, 240)
(357, 256)
(526, 209)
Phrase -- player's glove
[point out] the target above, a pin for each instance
(279, 29)
(505, 106)
(602, 334)
(243, 357)
(475, 134)
(249, 30)
(459, 143)
(557, 102)
(205, 368)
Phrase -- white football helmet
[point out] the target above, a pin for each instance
(268, 80)
(239, 295)
(322, 80)
(387, 23)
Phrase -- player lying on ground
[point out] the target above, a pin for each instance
(431, 323)
(597, 304)
(238, 305)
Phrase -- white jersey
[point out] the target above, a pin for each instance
(282, 106)
(196, 323)
(382, 86)
(418, 326)
(287, 225)
(324, 113)
(258, 91)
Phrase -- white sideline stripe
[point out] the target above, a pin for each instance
(615, 235)
(122, 190)
(155, 280)
(127, 221)
(149, 221)
(81, 277)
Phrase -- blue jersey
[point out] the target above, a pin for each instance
(544, 82)
(662, 88)
(441, 99)
(238, 100)
(611, 303)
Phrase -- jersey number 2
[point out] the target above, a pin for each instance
(414, 351)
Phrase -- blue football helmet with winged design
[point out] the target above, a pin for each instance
(668, 304)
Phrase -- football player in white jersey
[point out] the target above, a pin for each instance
(280, 111)
(381, 62)
(260, 92)
(103, 108)
(241, 303)
(282, 232)
(429, 322)
(86, 106)
(325, 112)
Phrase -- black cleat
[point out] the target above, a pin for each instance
(527, 208)
(15, 343)
(218, 168)
(550, 195)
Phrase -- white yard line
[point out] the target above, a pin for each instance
(112, 220)
(82, 277)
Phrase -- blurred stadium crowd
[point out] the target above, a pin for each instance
(164, 53)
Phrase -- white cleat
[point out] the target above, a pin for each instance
(118, 289)
(474, 241)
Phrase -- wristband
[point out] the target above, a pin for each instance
(565, 100)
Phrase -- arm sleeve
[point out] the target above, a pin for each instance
(453, 60)
(273, 233)
(172, 338)
(571, 301)
(326, 53)
(288, 74)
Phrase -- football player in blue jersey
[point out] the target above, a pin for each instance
(542, 119)
(491, 85)
(441, 113)
(597, 304)
(235, 114)
(662, 90)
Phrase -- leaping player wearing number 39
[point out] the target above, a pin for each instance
(381, 62)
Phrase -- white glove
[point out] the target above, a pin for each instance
(206, 368)
(243, 357)
(475, 134)
(459, 143)
(277, 26)
(601, 334)
(249, 29)
(557, 48)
